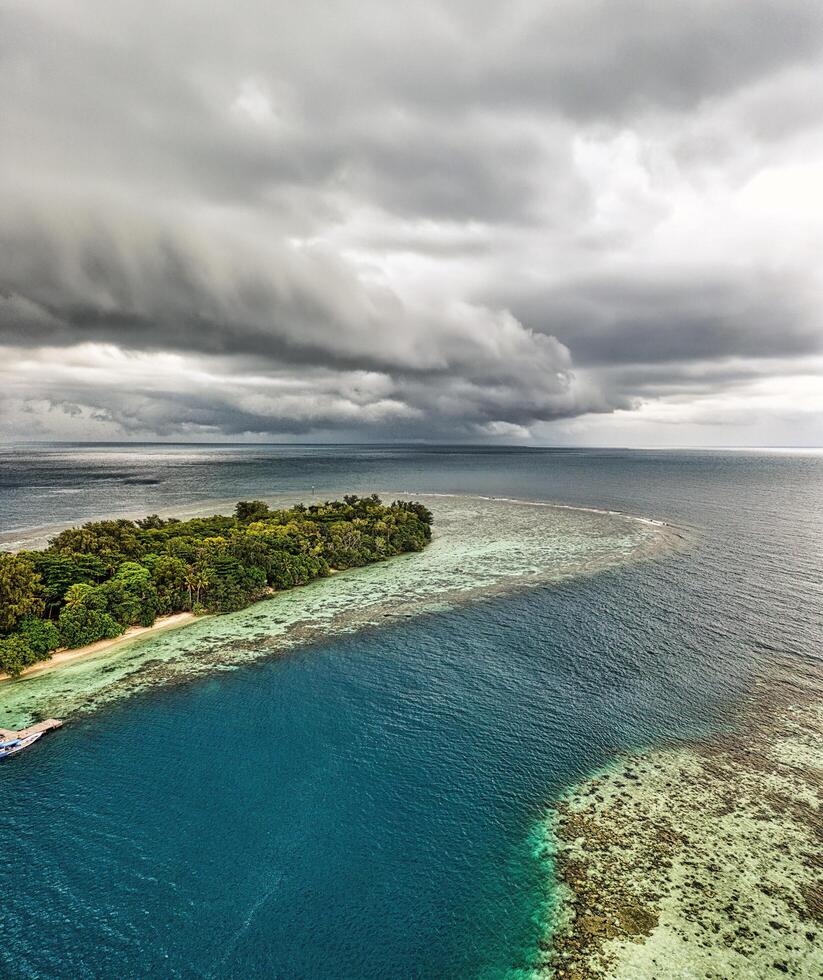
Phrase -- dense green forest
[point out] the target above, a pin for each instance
(94, 581)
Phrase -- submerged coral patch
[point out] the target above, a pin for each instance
(702, 860)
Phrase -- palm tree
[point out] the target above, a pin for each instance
(196, 580)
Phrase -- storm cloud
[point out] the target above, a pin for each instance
(449, 220)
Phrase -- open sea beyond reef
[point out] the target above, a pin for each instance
(355, 779)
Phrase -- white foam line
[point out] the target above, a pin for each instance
(542, 503)
(32, 538)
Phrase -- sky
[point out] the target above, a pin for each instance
(544, 222)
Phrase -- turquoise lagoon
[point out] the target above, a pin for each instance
(350, 779)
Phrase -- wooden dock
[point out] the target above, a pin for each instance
(41, 726)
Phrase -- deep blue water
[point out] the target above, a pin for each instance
(363, 808)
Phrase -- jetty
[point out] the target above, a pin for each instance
(39, 729)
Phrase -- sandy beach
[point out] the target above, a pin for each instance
(63, 657)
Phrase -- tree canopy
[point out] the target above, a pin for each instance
(95, 581)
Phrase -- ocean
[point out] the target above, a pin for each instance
(369, 803)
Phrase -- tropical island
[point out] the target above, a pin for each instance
(94, 582)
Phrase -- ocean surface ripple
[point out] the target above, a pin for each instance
(367, 805)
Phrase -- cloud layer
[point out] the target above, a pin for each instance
(451, 220)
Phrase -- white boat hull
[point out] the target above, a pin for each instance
(18, 744)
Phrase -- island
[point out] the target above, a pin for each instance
(92, 583)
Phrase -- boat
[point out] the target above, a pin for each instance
(13, 742)
(18, 744)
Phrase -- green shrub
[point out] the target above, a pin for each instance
(79, 626)
(15, 655)
(19, 596)
(41, 635)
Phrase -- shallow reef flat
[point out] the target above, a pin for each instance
(481, 547)
(699, 861)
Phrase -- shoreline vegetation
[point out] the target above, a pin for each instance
(107, 582)
(66, 655)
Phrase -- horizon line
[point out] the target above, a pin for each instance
(404, 444)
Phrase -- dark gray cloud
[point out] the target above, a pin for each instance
(683, 319)
(605, 60)
(146, 289)
(443, 219)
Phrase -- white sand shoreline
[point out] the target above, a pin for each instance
(65, 656)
